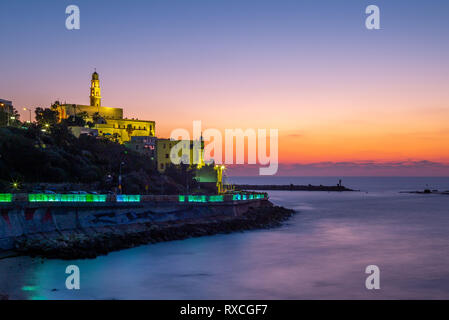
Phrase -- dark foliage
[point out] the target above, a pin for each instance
(182, 175)
(46, 116)
(10, 117)
(56, 156)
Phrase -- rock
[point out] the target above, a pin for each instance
(93, 244)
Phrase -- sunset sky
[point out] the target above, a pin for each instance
(344, 98)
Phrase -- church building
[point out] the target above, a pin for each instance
(108, 121)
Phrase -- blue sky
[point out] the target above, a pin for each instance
(305, 67)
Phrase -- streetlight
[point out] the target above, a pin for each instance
(120, 177)
(15, 185)
(220, 170)
(28, 109)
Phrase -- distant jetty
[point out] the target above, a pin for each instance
(427, 191)
(291, 187)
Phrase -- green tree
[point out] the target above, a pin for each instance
(77, 121)
(46, 116)
(97, 118)
(9, 116)
(83, 115)
(183, 174)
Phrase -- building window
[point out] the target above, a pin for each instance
(162, 166)
(166, 156)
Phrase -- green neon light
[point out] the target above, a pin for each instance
(5, 197)
(128, 198)
(182, 198)
(237, 197)
(40, 197)
(197, 198)
(216, 198)
(29, 288)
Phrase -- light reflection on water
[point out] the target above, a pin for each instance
(320, 253)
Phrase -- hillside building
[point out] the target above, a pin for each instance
(107, 122)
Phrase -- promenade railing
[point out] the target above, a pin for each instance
(122, 198)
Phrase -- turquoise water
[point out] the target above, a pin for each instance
(320, 253)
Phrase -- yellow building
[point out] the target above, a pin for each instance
(124, 129)
(164, 146)
(108, 121)
(206, 173)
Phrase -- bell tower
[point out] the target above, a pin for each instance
(95, 92)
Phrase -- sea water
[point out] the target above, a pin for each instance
(320, 253)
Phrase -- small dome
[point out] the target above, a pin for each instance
(95, 76)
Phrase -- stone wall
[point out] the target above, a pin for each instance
(21, 218)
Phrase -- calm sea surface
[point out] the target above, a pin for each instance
(320, 253)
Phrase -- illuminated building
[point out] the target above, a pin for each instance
(164, 147)
(108, 122)
(6, 105)
(95, 91)
(143, 145)
(205, 173)
(7, 112)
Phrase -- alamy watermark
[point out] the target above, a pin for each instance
(73, 21)
(372, 22)
(72, 282)
(373, 280)
(256, 150)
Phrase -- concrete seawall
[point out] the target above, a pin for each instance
(20, 219)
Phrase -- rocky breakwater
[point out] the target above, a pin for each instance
(292, 187)
(92, 242)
